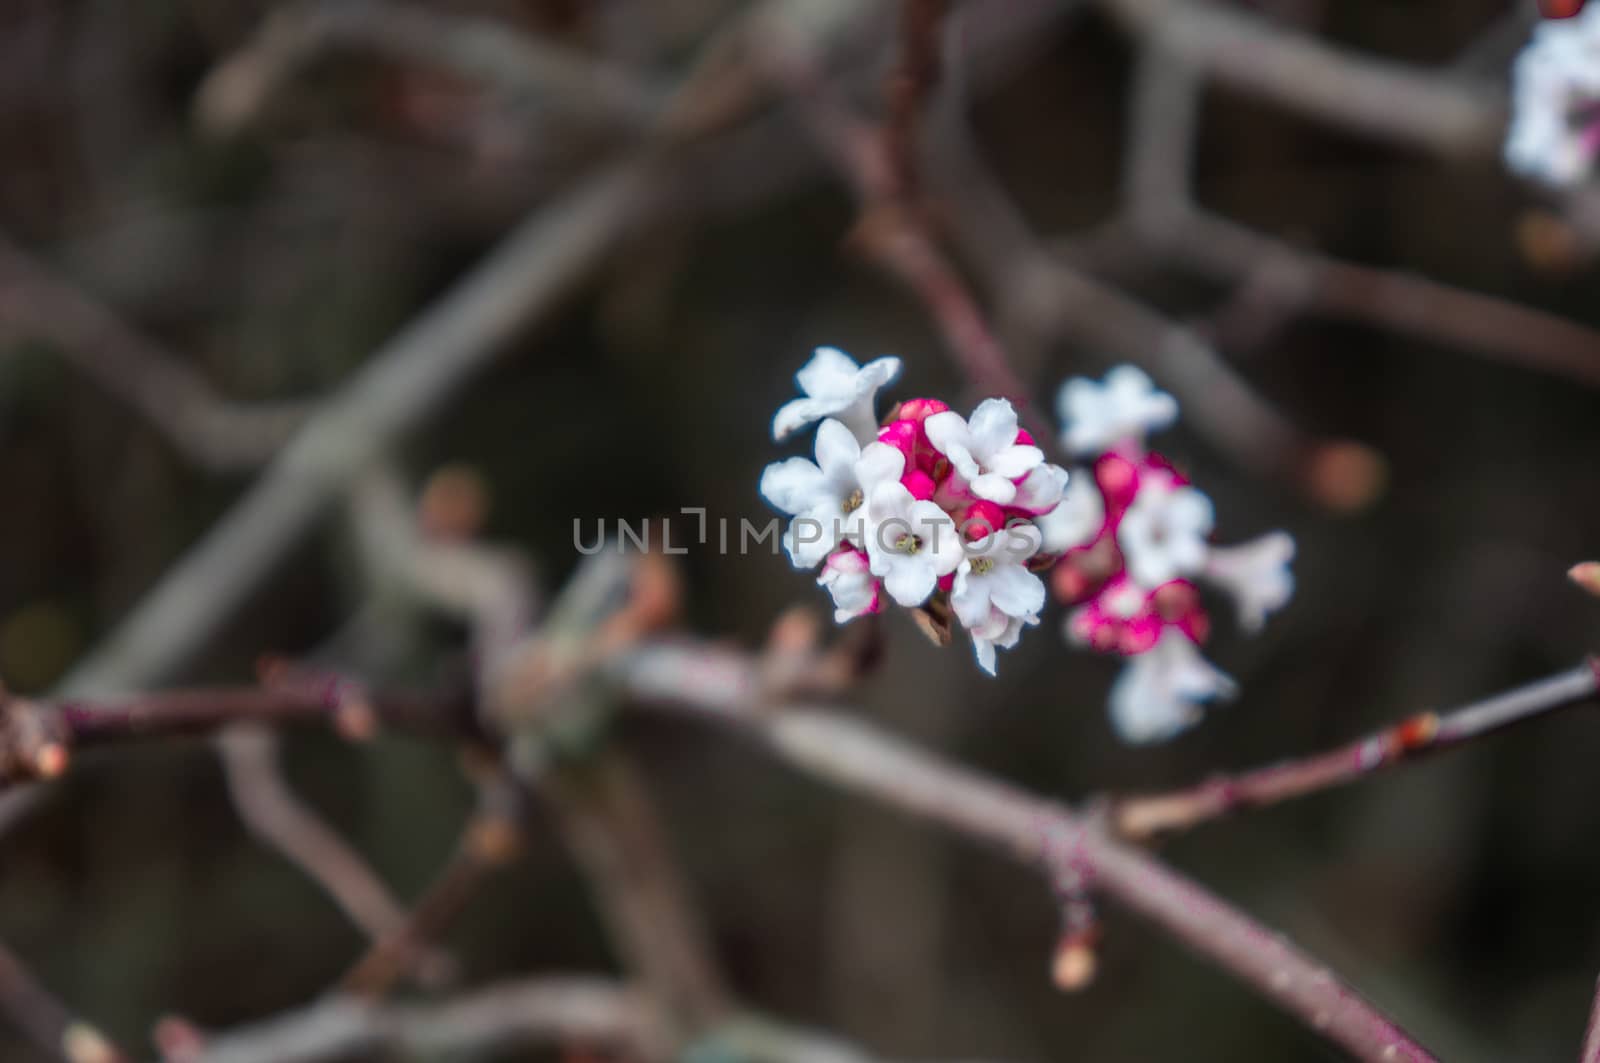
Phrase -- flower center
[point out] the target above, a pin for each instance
(853, 503)
(907, 544)
(982, 565)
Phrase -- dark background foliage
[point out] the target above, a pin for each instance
(1459, 892)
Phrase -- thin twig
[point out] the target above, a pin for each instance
(208, 430)
(520, 282)
(910, 83)
(520, 68)
(46, 1021)
(1295, 278)
(492, 836)
(612, 827)
(545, 1010)
(1591, 1037)
(1444, 113)
(843, 750)
(1144, 816)
(276, 815)
(38, 738)
(893, 233)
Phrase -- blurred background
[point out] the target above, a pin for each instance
(200, 247)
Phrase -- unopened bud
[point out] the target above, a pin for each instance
(1587, 576)
(1074, 964)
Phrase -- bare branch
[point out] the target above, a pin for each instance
(492, 837)
(853, 755)
(284, 822)
(1141, 817)
(1496, 328)
(611, 825)
(546, 1010)
(417, 371)
(1438, 111)
(522, 69)
(47, 1022)
(207, 430)
(38, 738)
(1591, 1038)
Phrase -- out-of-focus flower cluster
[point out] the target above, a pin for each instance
(959, 516)
(1554, 134)
(1131, 537)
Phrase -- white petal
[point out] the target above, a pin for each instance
(1016, 591)
(879, 463)
(995, 488)
(1016, 543)
(1256, 574)
(1014, 461)
(877, 373)
(1190, 511)
(812, 536)
(1042, 490)
(983, 650)
(950, 436)
(1077, 520)
(941, 540)
(969, 596)
(792, 485)
(1160, 692)
(890, 501)
(837, 451)
(829, 374)
(909, 581)
(993, 427)
(798, 414)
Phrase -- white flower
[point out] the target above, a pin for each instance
(848, 578)
(985, 451)
(1078, 518)
(836, 387)
(993, 575)
(910, 544)
(1554, 134)
(825, 497)
(1256, 574)
(1163, 534)
(1042, 489)
(998, 631)
(1159, 692)
(1100, 417)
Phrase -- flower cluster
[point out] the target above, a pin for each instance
(952, 515)
(1131, 537)
(930, 510)
(1554, 134)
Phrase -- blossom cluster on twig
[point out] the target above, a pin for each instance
(948, 515)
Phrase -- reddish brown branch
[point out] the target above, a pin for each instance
(38, 738)
(851, 754)
(1142, 817)
(492, 837)
(277, 816)
(910, 84)
(1591, 1037)
(893, 232)
(614, 832)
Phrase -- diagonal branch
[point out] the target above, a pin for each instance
(842, 750)
(276, 815)
(1142, 817)
(550, 1010)
(46, 1021)
(208, 430)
